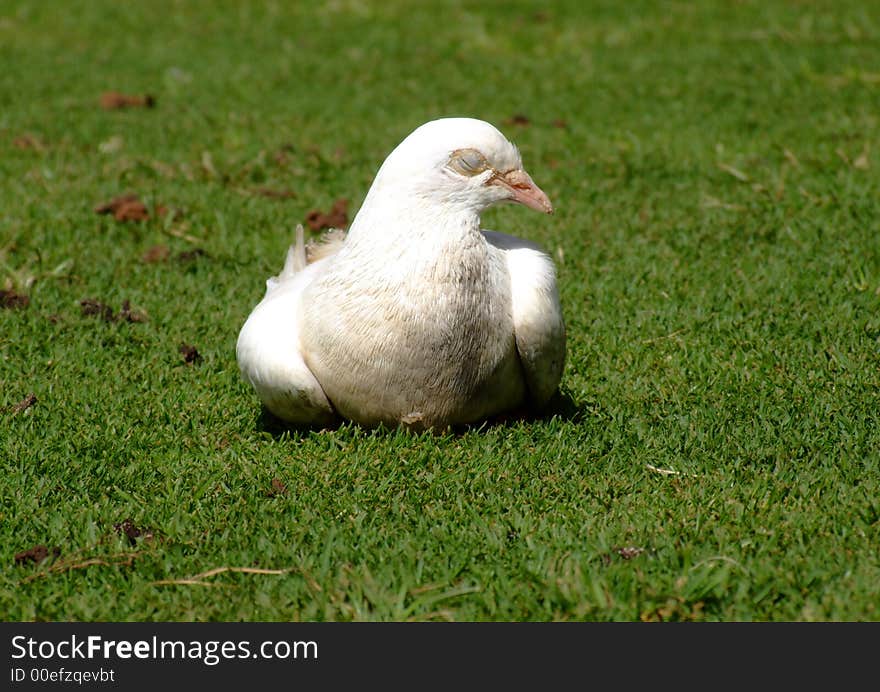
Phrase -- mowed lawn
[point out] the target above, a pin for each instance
(715, 452)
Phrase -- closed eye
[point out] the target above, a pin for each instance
(468, 162)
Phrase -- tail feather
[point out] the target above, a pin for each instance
(294, 262)
(296, 255)
(300, 253)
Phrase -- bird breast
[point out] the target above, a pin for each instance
(413, 333)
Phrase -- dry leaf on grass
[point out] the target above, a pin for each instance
(629, 552)
(124, 208)
(278, 489)
(36, 554)
(273, 193)
(28, 142)
(25, 403)
(130, 208)
(519, 120)
(93, 307)
(190, 354)
(127, 314)
(156, 253)
(337, 217)
(128, 529)
(113, 100)
(191, 255)
(12, 300)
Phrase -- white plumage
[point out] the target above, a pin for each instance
(416, 316)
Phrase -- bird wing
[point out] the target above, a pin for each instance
(268, 346)
(538, 324)
(301, 254)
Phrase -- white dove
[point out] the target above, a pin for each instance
(416, 316)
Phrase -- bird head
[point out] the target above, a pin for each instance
(461, 163)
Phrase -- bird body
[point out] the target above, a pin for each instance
(418, 316)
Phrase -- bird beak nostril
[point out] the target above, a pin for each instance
(523, 190)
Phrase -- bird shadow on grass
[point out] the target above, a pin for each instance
(562, 406)
(277, 427)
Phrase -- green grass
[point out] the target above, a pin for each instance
(717, 187)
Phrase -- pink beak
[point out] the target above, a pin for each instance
(523, 190)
